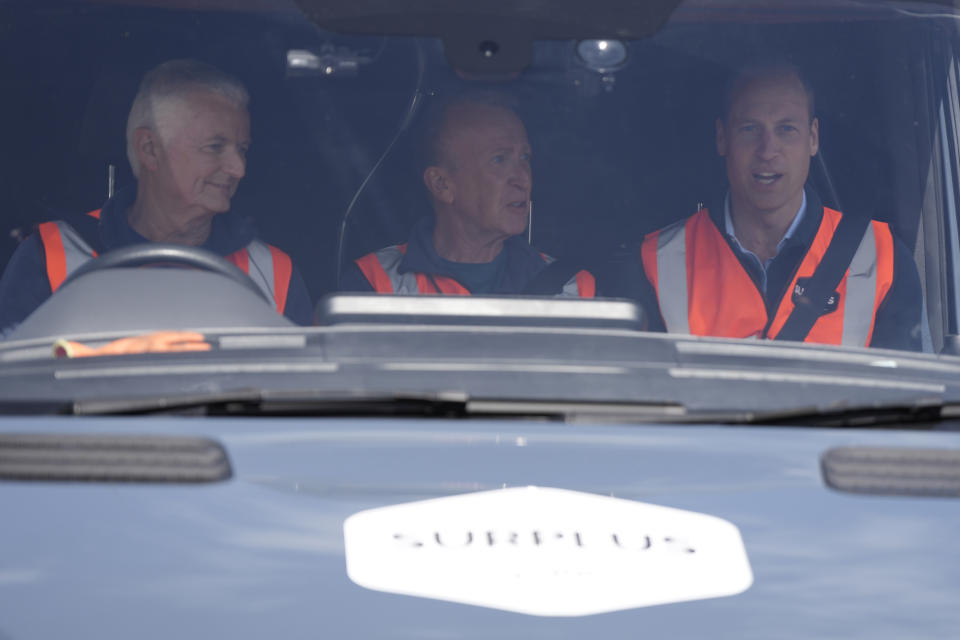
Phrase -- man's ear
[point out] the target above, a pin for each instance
(721, 139)
(439, 184)
(146, 144)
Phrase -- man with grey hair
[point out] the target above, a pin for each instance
(188, 133)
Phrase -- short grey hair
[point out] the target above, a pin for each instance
(172, 81)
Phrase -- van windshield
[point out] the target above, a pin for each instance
(762, 172)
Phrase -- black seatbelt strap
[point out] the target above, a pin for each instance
(552, 278)
(811, 303)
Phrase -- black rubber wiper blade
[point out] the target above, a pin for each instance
(923, 414)
(259, 403)
(424, 405)
(175, 403)
(578, 411)
(35, 407)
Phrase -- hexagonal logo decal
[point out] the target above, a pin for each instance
(545, 552)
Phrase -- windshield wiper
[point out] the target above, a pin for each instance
(252, 402)
(923, 414)
(422, 405)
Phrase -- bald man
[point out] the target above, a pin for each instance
(479, 179)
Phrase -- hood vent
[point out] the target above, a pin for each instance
(893, 471)
(111, 458)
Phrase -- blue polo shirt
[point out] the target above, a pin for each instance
(751, 256)
(509, 273)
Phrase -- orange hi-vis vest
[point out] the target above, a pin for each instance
(703, 289)
(381, 268)
(66, 250)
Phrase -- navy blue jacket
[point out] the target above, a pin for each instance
(25, 285)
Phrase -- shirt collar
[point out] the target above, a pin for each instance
(422, 256)
(791, 230)
(229, 232)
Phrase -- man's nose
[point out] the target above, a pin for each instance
(235, 163)
(768, 145)
(522, 176)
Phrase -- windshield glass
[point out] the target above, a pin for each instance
(752, 171)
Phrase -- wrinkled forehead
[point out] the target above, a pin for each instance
(201, 113)
(471, 126)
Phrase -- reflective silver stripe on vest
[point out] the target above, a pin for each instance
(261, 268)
(390, 258)
(76, 250)
(861, 292)
(571, 289)
(672, 277)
